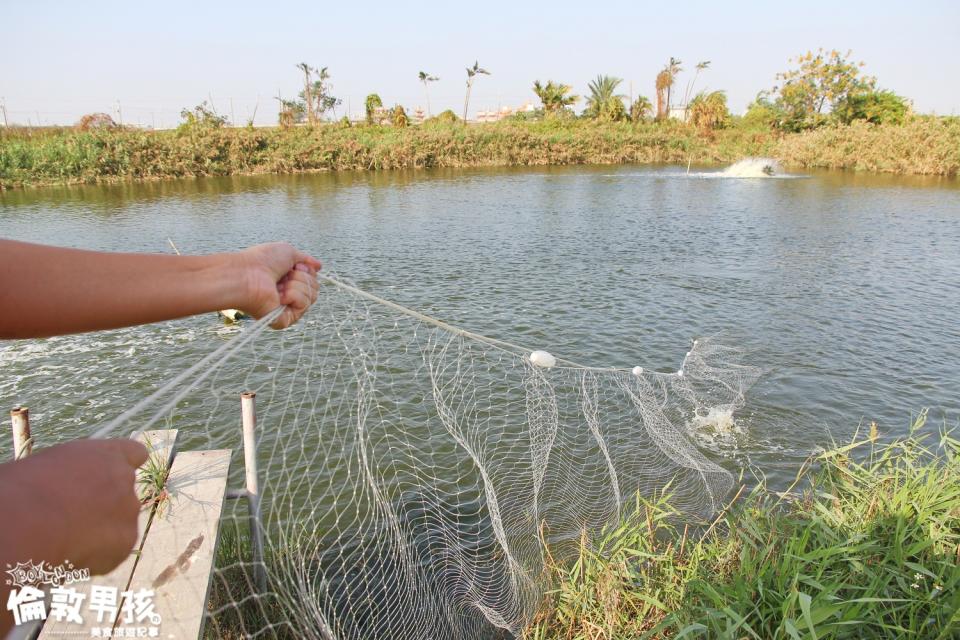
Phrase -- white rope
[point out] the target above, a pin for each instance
(509, 347)
(202, 371)
(223, 353)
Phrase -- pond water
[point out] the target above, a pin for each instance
(844, 288)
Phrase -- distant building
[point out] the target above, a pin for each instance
(678, 112)
(504, 112)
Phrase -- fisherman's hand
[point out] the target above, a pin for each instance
(278, 274)
(75, 501)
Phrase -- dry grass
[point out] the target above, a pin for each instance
(62, 156)
(922, 145)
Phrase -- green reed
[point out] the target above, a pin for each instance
(866, 544)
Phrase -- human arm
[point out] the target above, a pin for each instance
(46, 291)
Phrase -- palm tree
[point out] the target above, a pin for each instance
(640, 108)
(372, 104)
(399, 117)
(686, 94)
(472, 73)
(425, 78)
(665, 80)
(709, 110)
(554, 96)
(307, 73)
(674, 68)
(604, 101)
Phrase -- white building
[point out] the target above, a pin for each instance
(678, 112)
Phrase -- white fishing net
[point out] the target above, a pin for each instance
(414, 475)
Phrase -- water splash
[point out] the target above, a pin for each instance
(717, 430)
(719, 419)
(753, 168)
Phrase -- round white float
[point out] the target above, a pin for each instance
(543, 359)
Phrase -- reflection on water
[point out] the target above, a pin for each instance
(844, 287)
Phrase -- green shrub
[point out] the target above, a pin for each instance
(200, 118)
(444, 117)
(878, 107)
(708, 111)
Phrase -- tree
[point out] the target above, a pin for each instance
(878, 107)
(426, 78)
(604, 102)
(472, 73)
(664, 84)
(291, 112)
(305, 94)
(689, 91)
(640, 109)
(372, 105)
(820, 82)
(444, 117)
(399, 116)
(93, 121)
(763, 113)
(663, 81)
(554, 96)
(315, 97)
(708, 111)
(201, 118)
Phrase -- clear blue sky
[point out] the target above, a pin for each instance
(60, 60)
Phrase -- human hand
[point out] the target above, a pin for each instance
(75, 501)
(277, 274)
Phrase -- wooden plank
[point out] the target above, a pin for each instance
(162, 447)
(177, 558)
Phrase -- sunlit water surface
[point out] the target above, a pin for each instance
(844, 288)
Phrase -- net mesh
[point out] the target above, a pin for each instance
(414, 476)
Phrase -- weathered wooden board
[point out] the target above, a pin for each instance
(162, 447)
(177, 558)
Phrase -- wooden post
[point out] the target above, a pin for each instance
(248, 408)
(22, 441)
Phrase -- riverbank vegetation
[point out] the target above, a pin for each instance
(865, 543)
(920, 145)
(823, 113)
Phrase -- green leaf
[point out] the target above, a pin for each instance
(805, 608)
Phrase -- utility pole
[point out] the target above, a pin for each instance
(3, 108)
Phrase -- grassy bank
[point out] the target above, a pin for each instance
(866, 544)
(923, 145)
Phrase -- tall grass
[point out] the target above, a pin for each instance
(56, 156)
(921, 145)
(866, 546)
